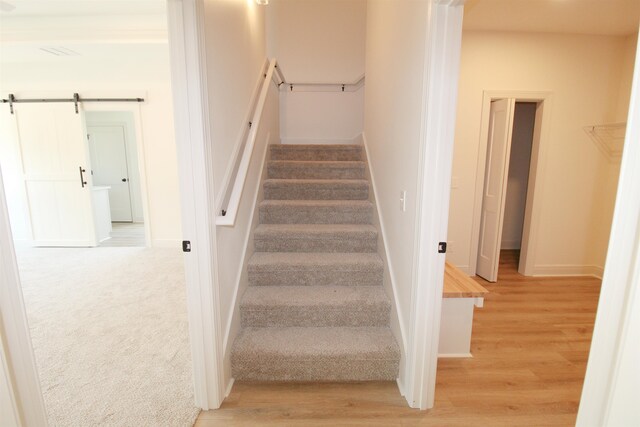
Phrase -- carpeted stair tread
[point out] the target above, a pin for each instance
(305, 269)
(315, 212)
(316, 189)
(315, 308)
(315, 354)
(295, 169)
(267, 306)
(316, 152)
(315, 238)
(284, 261)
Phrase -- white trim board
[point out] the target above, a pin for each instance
(439, 95)
(609, 395)
(14, 331)
(555, 270)
(195, 170)
(454, 355)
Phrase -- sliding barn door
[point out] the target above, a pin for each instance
(57, 176)
(495, 188)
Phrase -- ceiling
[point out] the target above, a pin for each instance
(63, 30)
(30, 30)
(57, 8)
(601, 17)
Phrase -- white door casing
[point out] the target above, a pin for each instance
(57, 180)
(495, 187)
(19, 363)
(108, 148)
(195, 166)
(610, 391)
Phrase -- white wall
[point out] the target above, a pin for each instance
(393, 113)
(626, 76)
(320, 117)
(236, 53)
(584, 75)
(319, 41)
(102, 118)
(146, 71)
(517, 179)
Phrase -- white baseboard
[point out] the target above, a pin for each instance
(362, 139)
(510, 244)
(400, 387)
(320, 141)
(229, 387)
(466, 269)
(597, 271)
(568, 270)
(166, 243)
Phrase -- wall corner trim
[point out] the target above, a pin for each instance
(610, 384)
(195, 170)
(439, 99)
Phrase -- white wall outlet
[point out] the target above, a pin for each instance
(403, 200)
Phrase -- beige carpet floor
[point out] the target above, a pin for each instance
(110, 335)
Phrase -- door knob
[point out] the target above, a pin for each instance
(124, 179)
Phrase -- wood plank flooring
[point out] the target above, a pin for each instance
(530, 345)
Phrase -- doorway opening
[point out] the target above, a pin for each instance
(514, 127)
(115, 171)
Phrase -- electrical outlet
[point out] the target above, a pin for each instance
(403, 200)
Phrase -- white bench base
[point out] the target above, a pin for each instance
(456, 325)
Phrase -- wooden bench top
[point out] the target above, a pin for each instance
(459, 285)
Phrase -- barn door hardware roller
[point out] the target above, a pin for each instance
(11, 99)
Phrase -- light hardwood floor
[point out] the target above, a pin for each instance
(530, 344)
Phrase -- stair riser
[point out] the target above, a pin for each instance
(285, 369)
(374, 315)
(324, 154)
(286, 191)
(325, 277)
(314, 172)
(314, 215)
(285, 244)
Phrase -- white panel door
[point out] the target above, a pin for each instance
(54, 154)
(495, 188)
(109, 166)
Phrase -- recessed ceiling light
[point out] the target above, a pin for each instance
(60, 51)
(262, 2)
(5, 6)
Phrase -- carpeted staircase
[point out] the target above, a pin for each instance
(315, 308)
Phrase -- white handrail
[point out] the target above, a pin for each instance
(229, 218)
(321, 86)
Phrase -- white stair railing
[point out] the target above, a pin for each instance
(227, 216)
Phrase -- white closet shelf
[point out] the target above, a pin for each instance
(609, 138)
